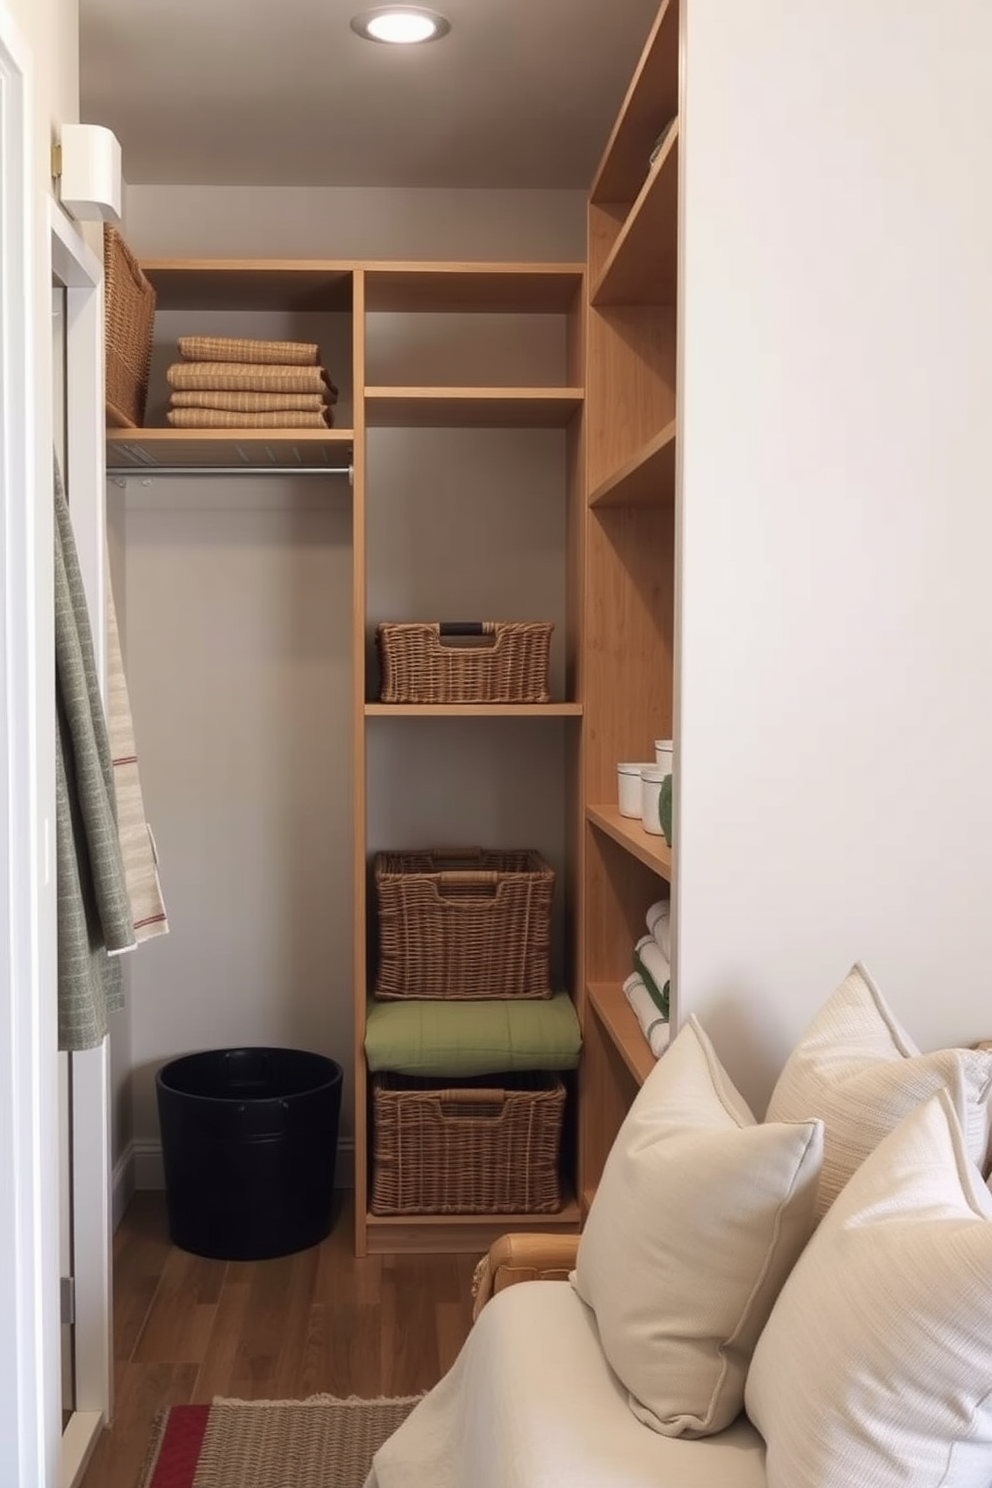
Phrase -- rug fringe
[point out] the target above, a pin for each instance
(350, 1400)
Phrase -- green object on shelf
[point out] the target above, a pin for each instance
(665, 808)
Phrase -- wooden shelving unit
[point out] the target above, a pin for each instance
(439, 292)
(628, 611)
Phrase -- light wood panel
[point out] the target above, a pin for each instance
(470, 408)
(620, 889)
(607, 1089)
(621, 1027)
(244, 449)
(629, 641)
(473, 710)
(641, 268)
(533, 288)
(630, 385)
(648, 849)
(652, 99)
(457, 1233)
(360, 1115)
(647, 479)
(250, 283)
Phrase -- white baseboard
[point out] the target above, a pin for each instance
(141, 1168)
(123, 1183)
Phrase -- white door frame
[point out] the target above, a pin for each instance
(80, 272)
(30, 1434)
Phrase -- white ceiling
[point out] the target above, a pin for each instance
(521, 93)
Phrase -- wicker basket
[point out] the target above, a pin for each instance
(492, 661)
(129, 301)
(460, 1147)
(463, 923)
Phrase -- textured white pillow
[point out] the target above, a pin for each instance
(861, 1073)
(874, 1367)
(698, 1218)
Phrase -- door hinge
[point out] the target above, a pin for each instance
(67, 1300)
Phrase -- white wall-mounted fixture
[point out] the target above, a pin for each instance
(403, 25)
(90, 173)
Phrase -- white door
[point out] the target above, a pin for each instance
(85, 1181)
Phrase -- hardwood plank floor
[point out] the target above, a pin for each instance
(187, 1329)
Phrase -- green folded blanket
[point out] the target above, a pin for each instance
(472, 1038)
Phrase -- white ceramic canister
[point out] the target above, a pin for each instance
(663, 755)
(629, 788)
(651, 778)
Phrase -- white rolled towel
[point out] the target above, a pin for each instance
(654, 1027)
(655, 965)
(659, 922)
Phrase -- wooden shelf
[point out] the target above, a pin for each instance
(473, 710)
(652, 851)
(646, 480)
(470, 407)
(250, 284)
(621, 1026)
(459, 1233)
(651, 100)
(470, 287)
(642, 268)
(145, 450)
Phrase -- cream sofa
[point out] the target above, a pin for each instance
(802, 1302)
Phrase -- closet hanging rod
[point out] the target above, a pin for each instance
(144, 472)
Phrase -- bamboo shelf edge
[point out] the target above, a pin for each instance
(627, 831)
(616, 1017)
(460, 1233)
(473, 710)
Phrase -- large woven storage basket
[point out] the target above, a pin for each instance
(466, 1147)
(129, 304)
(490, 661)
(463, 923)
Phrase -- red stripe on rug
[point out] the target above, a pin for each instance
(179, 1453)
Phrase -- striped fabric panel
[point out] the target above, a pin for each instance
(219, 418)
(238, 349)
(251, 402)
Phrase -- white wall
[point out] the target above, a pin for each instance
(239, 642)
(834, 707)
(352, 222)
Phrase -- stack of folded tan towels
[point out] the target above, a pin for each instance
(226, 382)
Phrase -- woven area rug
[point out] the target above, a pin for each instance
(316, 1443)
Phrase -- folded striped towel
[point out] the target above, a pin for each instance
(218, 418)
(250, 402)
(244, 377)
(240, 349)
(654, 1027)
(654, 971)
(659, 921)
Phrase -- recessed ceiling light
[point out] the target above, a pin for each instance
(401, 24)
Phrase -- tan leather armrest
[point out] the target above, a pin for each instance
(522, 1257)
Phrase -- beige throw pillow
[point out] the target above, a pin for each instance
(861, 1073)
(698, 1218)
(874, 1366)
